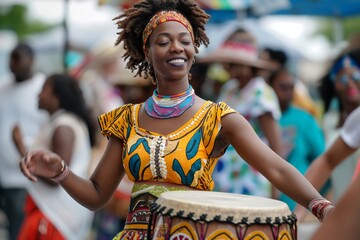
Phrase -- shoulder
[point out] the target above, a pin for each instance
(352, 122)
(117, 121)
(117, 112)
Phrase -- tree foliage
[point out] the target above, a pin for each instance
(350, 27)
(15, 18)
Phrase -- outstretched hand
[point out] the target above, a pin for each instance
(40, 163)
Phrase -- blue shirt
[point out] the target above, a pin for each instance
(303, 141)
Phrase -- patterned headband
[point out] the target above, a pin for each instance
(165, 16)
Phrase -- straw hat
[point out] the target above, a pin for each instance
(240, 48)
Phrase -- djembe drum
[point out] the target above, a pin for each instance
(200, 215)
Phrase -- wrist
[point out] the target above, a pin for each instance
(64, 172)
(320, 208)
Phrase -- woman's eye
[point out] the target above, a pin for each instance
(186, 42)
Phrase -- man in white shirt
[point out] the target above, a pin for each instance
(18, 106)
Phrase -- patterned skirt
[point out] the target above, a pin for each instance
(138, 220)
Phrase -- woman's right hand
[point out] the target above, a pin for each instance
(40, 163)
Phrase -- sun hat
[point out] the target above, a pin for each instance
(241, 49)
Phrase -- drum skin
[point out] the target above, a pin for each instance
(201, 215)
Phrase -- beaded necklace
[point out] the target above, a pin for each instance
(169, 106)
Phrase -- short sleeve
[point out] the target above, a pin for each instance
(350, 133)
(265, 101)
(116, 122)
(223, 109)
(212, 123)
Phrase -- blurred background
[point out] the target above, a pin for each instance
(67, 34)
(63, 32)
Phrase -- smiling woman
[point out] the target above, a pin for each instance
(172, 141)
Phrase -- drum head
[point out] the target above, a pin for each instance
(218, 206)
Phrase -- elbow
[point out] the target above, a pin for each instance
(94, 206)
(330, 163)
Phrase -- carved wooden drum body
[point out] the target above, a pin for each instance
(200, 215)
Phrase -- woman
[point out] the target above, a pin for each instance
(345, 75)
(69, 134)
(348, 207)
(173, 140)
(247, 93)
(303, 137)
(344, 87)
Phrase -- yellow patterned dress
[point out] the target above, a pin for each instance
(181, 158)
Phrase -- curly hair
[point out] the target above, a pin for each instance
(132, 23)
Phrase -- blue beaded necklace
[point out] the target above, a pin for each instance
(169, 106)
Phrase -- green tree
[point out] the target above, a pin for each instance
(350, 27)
(15, 18)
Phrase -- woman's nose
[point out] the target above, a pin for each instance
(176, 47)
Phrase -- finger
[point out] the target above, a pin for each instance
(24, 166)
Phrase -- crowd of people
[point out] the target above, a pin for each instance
(86, 155)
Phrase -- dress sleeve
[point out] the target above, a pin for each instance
(116, 122)
(264, 100)
(212, 124)
(223, 109)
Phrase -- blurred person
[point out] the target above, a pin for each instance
(111, 219)
(343, 223)
(248, 93)
(340, 91)
(198, 73)
(161, 150)
(278, 59)
(302, 99)
(303, 139)
(99, 93)
(216, 77)
(70, 134)
(18, 106)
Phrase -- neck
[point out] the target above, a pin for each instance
(164, 106)
(23, 77)
(284, 107)
(244, 81)
(172, 88)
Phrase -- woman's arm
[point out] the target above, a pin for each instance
(18, 140)
(343, 222)
(278, 171)
(321, 168)
(272, 132)
(92, 193)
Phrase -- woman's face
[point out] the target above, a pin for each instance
(47, 99)
(283, 85)
(347, 85)
(171, 51)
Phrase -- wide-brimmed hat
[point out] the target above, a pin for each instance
(236, 53)
(240, 48)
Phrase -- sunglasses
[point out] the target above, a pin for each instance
(345, 78)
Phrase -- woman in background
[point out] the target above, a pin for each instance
(50, 212)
